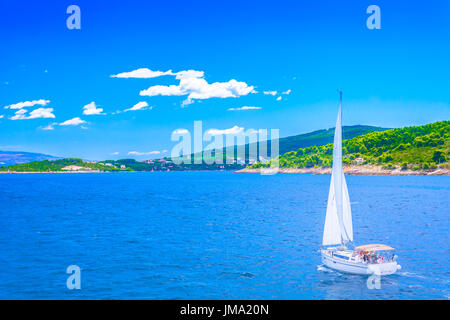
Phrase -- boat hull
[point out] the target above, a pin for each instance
(361, 268)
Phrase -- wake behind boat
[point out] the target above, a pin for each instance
(338, 232)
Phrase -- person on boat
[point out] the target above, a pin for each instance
(366, 257)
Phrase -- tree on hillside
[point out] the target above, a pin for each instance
(438, 156)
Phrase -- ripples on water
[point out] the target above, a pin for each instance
(214, 235)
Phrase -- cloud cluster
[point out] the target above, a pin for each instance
(35, 114)
(191, 84)
(91, 109)
(21, 113)
(71, 122)
(145, 73)
(199, 88)
(26, 104)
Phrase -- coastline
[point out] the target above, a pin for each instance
(349, 170)
(81, 171)
(357, 170)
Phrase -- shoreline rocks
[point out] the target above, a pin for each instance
(355, 170)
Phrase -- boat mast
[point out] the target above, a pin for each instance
(338, 225)
(338, 172)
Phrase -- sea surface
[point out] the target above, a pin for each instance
(214, 235)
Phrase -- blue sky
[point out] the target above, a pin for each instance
(393, 77)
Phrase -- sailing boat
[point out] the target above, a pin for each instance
(338, 230)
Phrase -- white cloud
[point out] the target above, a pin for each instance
(142, 105)
(142, 73)
(25, 104)
(192, 84)
(145, 73)
(137, 153)
(49, 127)
(272, 93)
(114, 153)
(287, 91)
(19, 114)
(244, 108)
(35, 114)
(91, 109)
(199, 88)
(72, 122)
(189, 74)
(234, 130)
(279, 98)
(1, 116)
(172, 90)
(187, 102)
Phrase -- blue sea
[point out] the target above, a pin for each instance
(214, 235)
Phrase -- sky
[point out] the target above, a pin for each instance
(138, 70)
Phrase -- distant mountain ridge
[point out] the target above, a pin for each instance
(8, 158)
(315, 138)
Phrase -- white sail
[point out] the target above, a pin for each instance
(332, 231)
(338, 222)
(347, 211)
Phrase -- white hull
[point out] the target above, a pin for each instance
(336, 260)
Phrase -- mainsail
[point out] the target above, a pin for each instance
(338, 222)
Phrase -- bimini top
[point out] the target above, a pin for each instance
(373, 247)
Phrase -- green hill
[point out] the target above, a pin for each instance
(419, 147)
(57, 165)
(322, 137)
